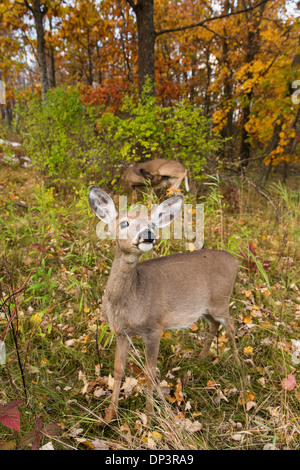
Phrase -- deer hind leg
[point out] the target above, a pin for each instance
(228, 322)
(151, 349)
(213, 329)
(122, 347)
(177, 184)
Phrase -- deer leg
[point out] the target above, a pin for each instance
(176, 185)
(133, 196)
(152, 348)
(229, 325)
(122, 347)
(213, 329)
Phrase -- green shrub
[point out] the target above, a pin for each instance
(66, 139)
(148, 130)
(59, 134)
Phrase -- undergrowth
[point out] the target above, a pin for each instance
(53, 271)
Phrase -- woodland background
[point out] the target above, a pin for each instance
(90, 87)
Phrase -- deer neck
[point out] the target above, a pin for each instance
(123, 276)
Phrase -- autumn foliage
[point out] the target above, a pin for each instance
(236, 61)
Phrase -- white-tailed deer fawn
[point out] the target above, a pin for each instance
(143, 299)
(160, 173)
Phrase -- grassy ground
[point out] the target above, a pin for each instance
(62, 365)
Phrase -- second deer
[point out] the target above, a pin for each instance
(159, 173)
(145, 298)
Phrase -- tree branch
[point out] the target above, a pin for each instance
(221, 36)
(28, 6)
(206, 20)
(132, 4)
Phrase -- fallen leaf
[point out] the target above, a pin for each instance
(178, 392)
(7, 445)
(248, 350)
(274, 411)
(289, 383)
(81, 376)
(99, 444)
(129, 384)
(269, 447)
(151, 443)
(10, 415)
(188, 406)
(48, 446)
(251, 404)
(245, 397)
(110, 382)
(247, 319)
(191, 426)
(99, 392)
(212, 384)
(52, 429)
(75, 431)
(164, 387)
(125, 429)
(157, 436)
(237, 437)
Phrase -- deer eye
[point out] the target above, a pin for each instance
(124, 224)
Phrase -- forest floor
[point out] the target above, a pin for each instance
(57, 378)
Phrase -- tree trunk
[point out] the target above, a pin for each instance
(90, 61)
(52, 79)
(227, 130)
(38, 15)
(253, 47)
(144, 11)
(207, 97)
(51, 60)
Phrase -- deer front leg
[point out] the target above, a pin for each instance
(133, 195)
(151, 349)
(122, 347)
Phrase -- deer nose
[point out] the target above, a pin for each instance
(147, 235)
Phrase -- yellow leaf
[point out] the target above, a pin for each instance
(166, 334)
(171, 400)
(178, 392)
(36, 319)
(194, 327)
(211, 384)
(157, 436)
(248, 350)
(85, 338)
(245, 398)
(247, 319)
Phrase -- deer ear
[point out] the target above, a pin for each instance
(102, 205)
(167, 211)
